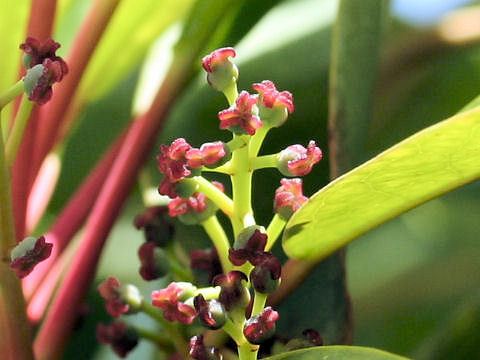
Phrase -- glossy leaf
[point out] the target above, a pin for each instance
(337, 353)
(428, 164)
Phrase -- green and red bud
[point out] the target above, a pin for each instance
(28, 253)
(222, 73)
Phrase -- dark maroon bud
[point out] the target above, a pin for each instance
(249, 243)
(156, 225)
(205, 265)
(154, 261)
(119, 335)
(199, 351)
(28, 253)
(233, 293)
(265, 276)
(211, 313)
(313, 336)
(261, 327)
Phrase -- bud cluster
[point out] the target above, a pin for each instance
(234, 278)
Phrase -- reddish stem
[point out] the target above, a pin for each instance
(55, 330)
(73, 216)
(40, 25)
(86, 40)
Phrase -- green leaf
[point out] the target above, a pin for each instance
(337, 353)
(135, 25)
(428, 164)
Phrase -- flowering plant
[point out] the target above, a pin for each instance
(238, 171)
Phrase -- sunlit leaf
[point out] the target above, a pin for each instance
(135, 25)
(428, 164)
(337, 353)
(13, 17)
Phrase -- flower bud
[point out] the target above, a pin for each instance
(249, 243)
(171, 300)
(295, 160)
(289, 197)
(28, 253)
(205, 265)
(265, 276)
(155, 224)
(154, 261)
(274, 106)
(120, 336)
(261, 327)
(233, 294)
(222, 73)
(199, 351)
(242, 117)
(119, 299)
(211, 313)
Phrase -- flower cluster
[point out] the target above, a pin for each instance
(234, 278)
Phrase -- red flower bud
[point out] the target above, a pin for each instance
(222, 73)
(28, 253)
(233, 293)
(36, 52)
(274, 105)
(199, 351)
(211, 313)
(289, 197)
(260, 327)
(169, 298)
(205, 265)
(265, 276)
(172, 161)
(295, 160)
(241, 118)
(254, 246)
(110, 291)
(154, 261)
(119, 335)
(208, 154)
(156, 226)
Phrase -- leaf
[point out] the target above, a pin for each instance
(13, 18)
(428, 164)
(337, 353)
(135, 25)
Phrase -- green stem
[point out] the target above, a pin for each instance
(259, 303)
(247, 352)
(223, 202)
(274, 230)
(242, 215)
(172, 330)
(257, 140)
(215, 231)
(237, 142)
(209, 293)
(231, 93)
(265, 161)
(15, 330)
(7, 225)
(15, 137)
(12, 93)
(235, 332)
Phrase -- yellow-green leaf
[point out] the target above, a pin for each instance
(425, 165)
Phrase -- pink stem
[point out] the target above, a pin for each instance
(73, 216)
(87, 38)
(55, 330)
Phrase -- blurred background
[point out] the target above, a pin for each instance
(413, 281)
